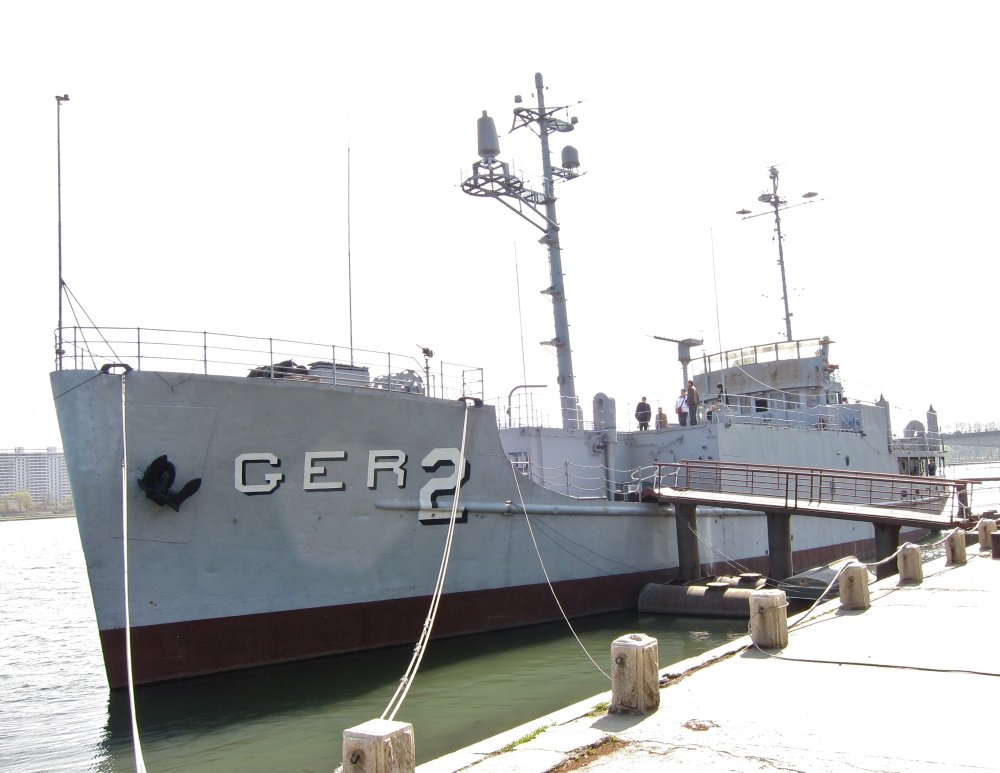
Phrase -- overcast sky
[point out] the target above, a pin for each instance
(204, 162)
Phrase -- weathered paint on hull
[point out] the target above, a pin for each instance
(342, 552)
(198, 647)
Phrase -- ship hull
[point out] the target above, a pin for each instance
(322, 516)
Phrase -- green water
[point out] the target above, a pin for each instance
(57, 713)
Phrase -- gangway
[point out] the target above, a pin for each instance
(888, 502)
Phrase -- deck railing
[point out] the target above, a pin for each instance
(235, 355)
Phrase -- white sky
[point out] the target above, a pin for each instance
(204, 184)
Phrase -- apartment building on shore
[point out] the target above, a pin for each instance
(41, 473)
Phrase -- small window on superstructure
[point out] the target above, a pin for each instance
(520, 462)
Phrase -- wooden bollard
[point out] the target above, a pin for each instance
(769, 619)
(854, 587)
(379, 746)
(635, 675)
(986, 527)
(911, 564)
(995, 541)
(954, 547)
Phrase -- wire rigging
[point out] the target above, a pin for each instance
(548, 580)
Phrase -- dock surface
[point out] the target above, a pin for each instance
(906, 685)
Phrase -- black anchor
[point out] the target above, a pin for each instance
(157, 480)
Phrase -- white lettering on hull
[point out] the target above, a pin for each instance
(388, 461)
(271, 479)
(432, 489)
(313, 470)
(252, 479)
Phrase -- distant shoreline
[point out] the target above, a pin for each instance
(34, 516)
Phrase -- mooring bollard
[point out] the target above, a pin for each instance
(910, 563)
(986, 527)
(379, 746)
(854, 587)
(954, 547)
(635, 674)
(995, 541)
(769, 619)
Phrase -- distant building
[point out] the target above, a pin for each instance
(41, 473)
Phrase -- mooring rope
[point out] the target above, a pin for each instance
(873, 565)
(779, 655)
(421, 646)
(140, 763)
(545, 572)
(925, 546)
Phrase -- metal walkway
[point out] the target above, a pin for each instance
(904, 500)
(888, 502)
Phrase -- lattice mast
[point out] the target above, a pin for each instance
(492, 178)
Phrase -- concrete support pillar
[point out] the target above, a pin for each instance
(688, 558)
(911, 564)
(779, 545)
(886, 542)
(769, 619)
(854, 587)
(954, 547)
(986, 527)
(379, 746)
(635, 675)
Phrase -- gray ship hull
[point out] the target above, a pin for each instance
(321, 518)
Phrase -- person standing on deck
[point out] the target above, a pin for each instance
(682, 408)
(661, 418)
(643, 413)
(692, 401)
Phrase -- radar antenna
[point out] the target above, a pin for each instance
(492, 178)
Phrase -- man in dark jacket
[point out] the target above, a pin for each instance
(643, 413)
(693, 400)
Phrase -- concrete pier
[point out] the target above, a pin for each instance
(739, 708)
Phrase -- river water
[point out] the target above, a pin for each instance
(57, 714)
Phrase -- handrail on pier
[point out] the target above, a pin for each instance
(809, 487)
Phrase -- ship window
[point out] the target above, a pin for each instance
(760, 404)
(519, 461)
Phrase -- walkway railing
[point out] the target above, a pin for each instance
(800, 486)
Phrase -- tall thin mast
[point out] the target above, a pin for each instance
(778, 204)
(492, 178)
(59, 326)
(350, 281)
(564, 353)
